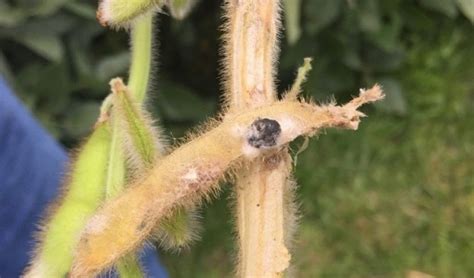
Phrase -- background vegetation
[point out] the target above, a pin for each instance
(395, 196)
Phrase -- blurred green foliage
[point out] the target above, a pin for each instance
(396, 195)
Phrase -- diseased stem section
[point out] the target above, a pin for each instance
(262, 185)
(191, 172)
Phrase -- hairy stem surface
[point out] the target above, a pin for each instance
(251, 52)
(262, 186)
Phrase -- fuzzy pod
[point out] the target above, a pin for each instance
(142, 142)
(120, 13)
(191, 173)
(144, 145)
(83, 192)
(128, 266)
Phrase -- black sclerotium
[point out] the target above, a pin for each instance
(263, 133)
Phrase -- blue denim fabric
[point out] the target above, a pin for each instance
(31, 168)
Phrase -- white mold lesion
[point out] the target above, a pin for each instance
(199, 175)
(250, 152)
(290, 129)
(97, 224)
(191, 176)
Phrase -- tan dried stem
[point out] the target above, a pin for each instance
(264, 208)
(251, 52)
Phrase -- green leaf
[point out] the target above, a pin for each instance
(328, 78)
(48, 46)
(369, 16)
(178, 103)
(292, 20)
(81, 9)
(43, 36)
(379, 60)
(388, 35)
(48, 7)
(80, 117)
(80, 46)
(5, 68)
(57, 24)
(352, 59)
(10, 16)
(113, 65)
(46, 119)
(467, 8)
(320, 13)
(446, 7)
(36, 80)
(297, 52)
(394, 101)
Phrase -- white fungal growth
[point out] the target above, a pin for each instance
(241, 132)
(289, 129)
(96, 224)
(250, 152)
(191, 175)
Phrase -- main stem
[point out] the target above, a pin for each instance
(263, 189)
